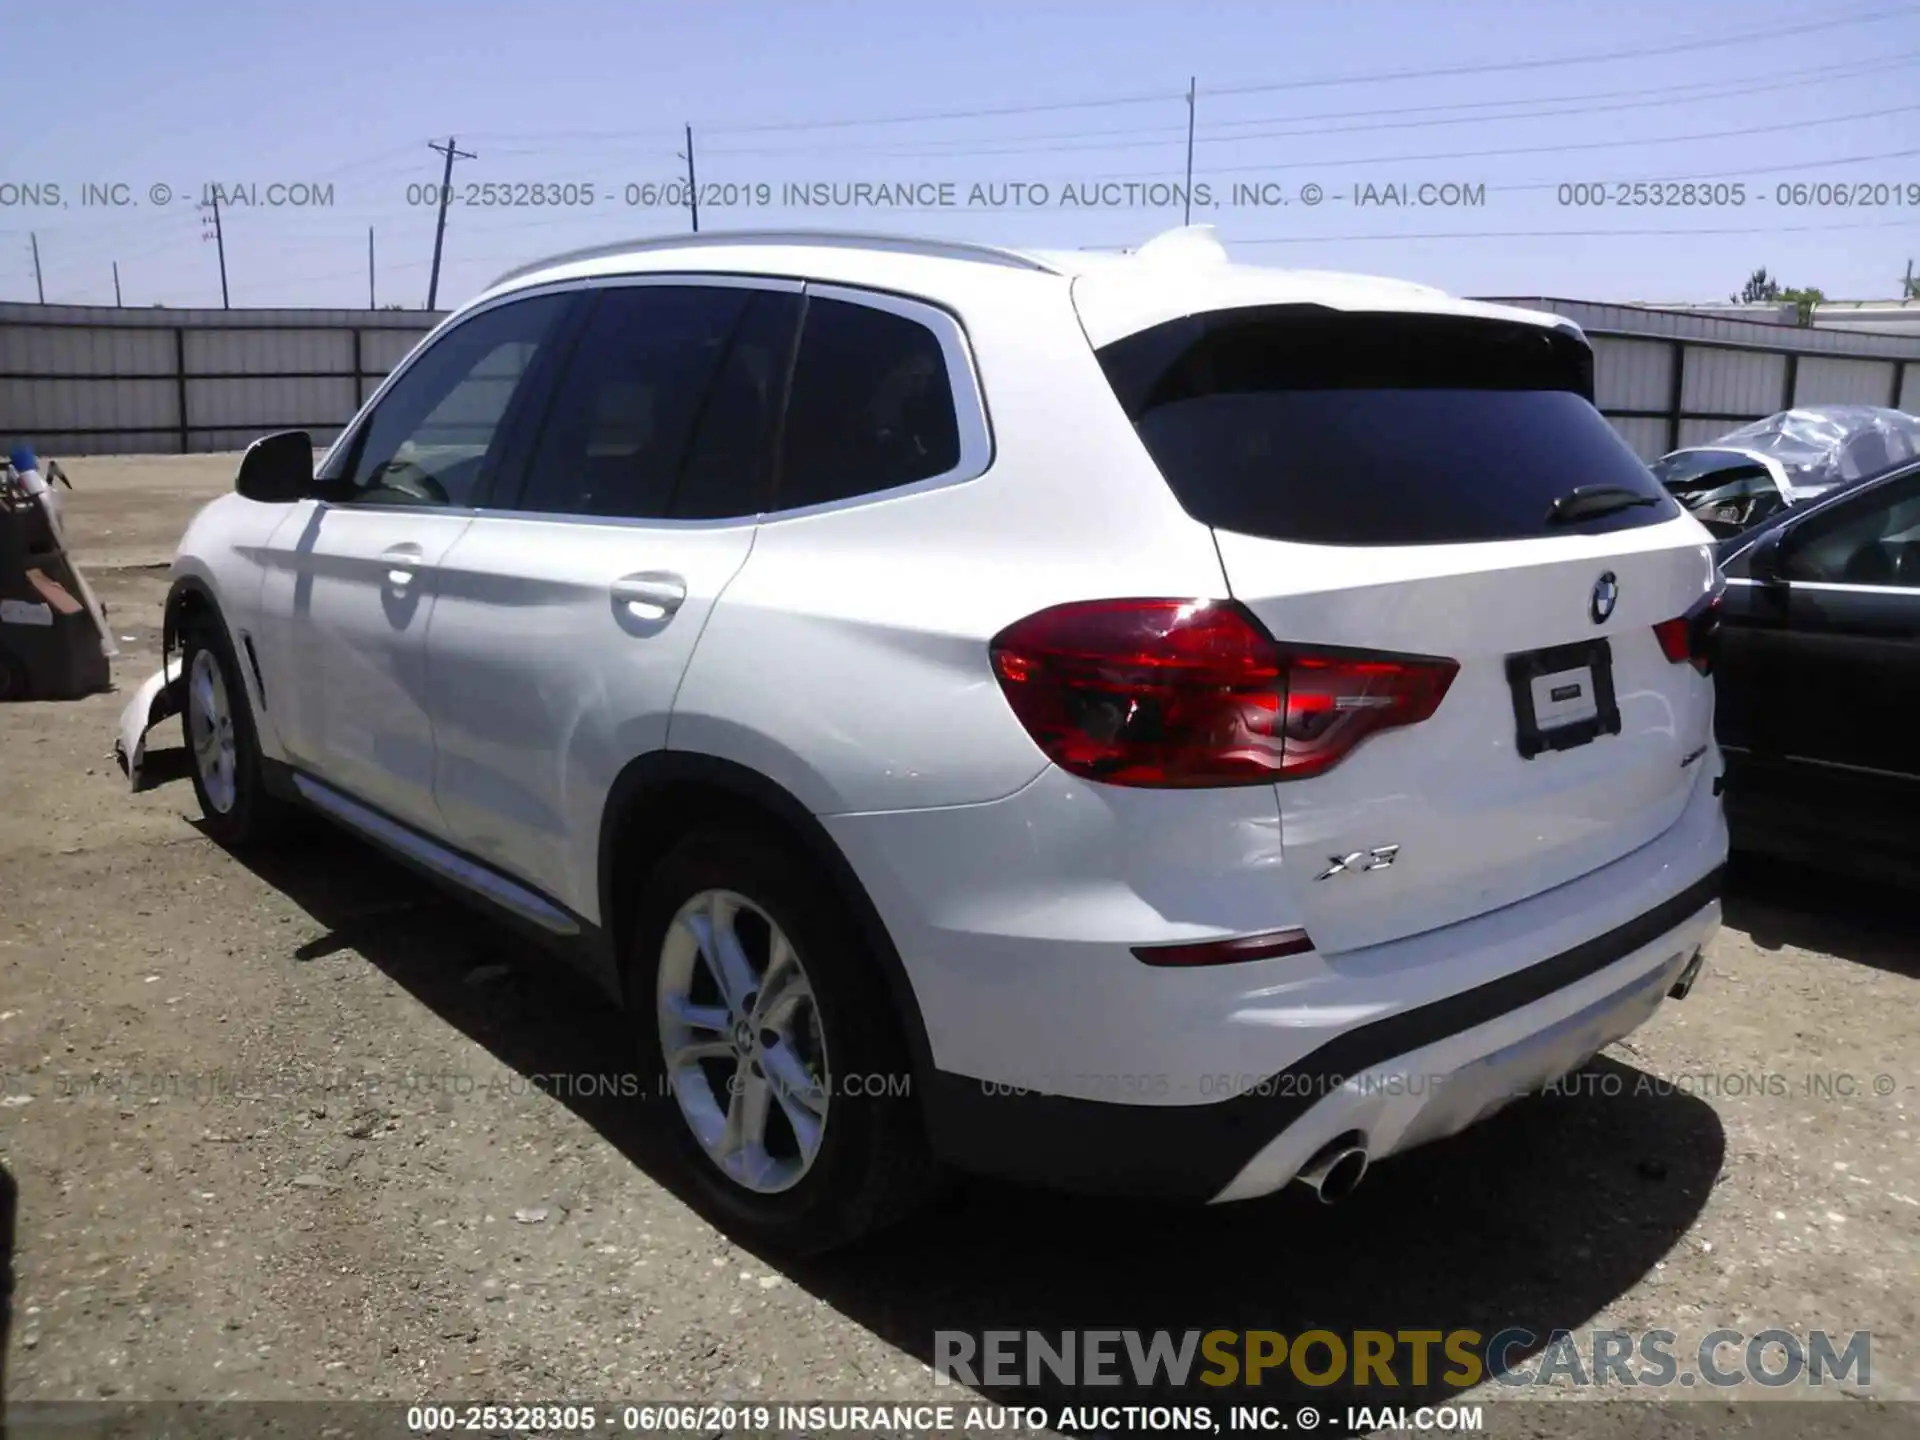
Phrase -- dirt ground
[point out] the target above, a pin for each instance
(300, 1129)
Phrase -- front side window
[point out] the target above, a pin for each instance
(429, 440)
(1873, 539)
(871, 407)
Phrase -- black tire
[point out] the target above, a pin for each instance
(256, 817)
(873, 1166)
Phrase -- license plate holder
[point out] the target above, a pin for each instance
(1562, 696)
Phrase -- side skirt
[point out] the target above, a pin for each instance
(534, 916)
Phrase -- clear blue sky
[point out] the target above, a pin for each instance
(578, 92)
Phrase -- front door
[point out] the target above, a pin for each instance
(353, 575)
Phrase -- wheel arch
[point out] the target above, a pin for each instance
(662, 796)
(190, 595)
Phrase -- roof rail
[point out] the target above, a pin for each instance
(847, 239)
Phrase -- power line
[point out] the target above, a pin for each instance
(1679, 47)
(1546, 149)
(1742, 173)
(1648, 52)
(1574, 104)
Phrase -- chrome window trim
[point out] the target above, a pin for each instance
(1836, 586)
(1845, 588)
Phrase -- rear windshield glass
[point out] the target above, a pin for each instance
(1306, 424)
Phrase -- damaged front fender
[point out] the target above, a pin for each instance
(157, 698)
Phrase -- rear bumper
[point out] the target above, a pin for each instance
(1415, 1075)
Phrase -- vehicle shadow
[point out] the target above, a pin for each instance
(1535, 1221)
(9, 1219)
(1780, 904)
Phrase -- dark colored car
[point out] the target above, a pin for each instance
(1817, 664)
(1791, 458)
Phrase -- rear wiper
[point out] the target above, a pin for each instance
(1585, 502)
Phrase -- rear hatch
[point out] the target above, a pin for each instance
(1395, 494)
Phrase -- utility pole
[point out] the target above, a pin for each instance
(39, 288)
(116, 284)
(370, 304)
(440, 229)
(693, 189)
(219, 239)
(1907, 292)
(1192, 81)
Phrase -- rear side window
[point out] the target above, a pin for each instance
(1306, 424)
(871, 406)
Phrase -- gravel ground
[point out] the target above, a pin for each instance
(302, 1129)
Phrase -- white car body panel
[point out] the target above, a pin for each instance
(348, 597)
(1477, 826)
(544, 683)
(911, 588)
(1016, 921)
(479, 711)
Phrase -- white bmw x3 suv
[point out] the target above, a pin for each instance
(1139, 723)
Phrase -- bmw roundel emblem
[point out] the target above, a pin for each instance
(1606, 591)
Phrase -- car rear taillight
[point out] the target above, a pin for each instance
(1688, 639)
(1188, 693)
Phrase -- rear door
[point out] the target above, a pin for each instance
(1439, 487)
(570, 608)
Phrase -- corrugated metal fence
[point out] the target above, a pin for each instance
(1668, 378)
(86, 379)
(77, 379)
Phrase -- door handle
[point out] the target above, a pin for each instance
(652, 596)
(400, 561)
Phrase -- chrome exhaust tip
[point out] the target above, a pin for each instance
(1336, 1172)
(1684, 984)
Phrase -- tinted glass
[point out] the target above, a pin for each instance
(729, 460)
(1299, 423)
(1871, 540)
(625, 413)
(872, 406)
(429, 440)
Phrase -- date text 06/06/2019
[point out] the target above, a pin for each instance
(923, 195)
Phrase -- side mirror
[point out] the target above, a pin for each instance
(1763, 561)
(277, 468)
